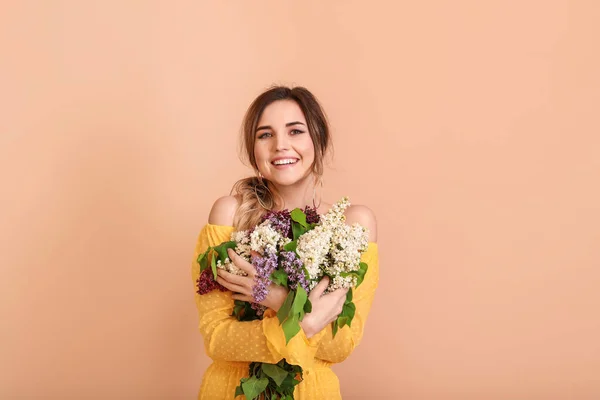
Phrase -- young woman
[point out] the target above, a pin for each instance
(286, 137)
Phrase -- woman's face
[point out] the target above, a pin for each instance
(283, 148)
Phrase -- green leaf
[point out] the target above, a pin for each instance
(297, 369)
(280, 278)
(222, 249)
(291, 246)
(299, 216)
(283, 312)
(362, 271)
(299, 300)
(349, 311)
(243, 311)
(237, 309)
(200, 257)
(297, 230)
(254, 386)
(213, 265)
(308, 306)
(290, 328)
(274, 372)
(203, 262)
(342, 320)
(288, 383)
(348, 297)
(238, 391)
(334, 327)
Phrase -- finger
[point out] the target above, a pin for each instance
(254, 253)
(236, 279)
(342, 300)
(320, 288)
(232, 286)
(341, 292)
(339, 307)
(242, 297)
(241, 263)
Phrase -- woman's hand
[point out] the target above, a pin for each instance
(241, 286)
(325, 308)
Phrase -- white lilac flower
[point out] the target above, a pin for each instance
(230, 267)
(335, 216)
(283, 241)
(331, 248)
(341, 282)
(313, 247)
(242, 238)
(347, 245)
(264, 238)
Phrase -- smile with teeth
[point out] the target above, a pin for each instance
(285, 161)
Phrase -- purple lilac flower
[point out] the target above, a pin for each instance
(280, 221)
(265, 265)
(312, 217)
(206, 283)
(293, 267)
(260, 309)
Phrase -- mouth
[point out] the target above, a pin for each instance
(284, 162)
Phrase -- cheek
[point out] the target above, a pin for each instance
(259, 153)
(308, 150)
(310, 155)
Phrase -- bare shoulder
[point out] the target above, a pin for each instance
(223, 211)
(365, 217)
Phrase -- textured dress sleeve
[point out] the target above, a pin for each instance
(347, 338)
(226, 338)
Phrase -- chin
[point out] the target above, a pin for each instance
(286, 180)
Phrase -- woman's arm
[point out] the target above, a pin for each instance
(347, 338)
(226, 338)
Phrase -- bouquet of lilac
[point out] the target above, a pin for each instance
(296, 250)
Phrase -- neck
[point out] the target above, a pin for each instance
(298, 195)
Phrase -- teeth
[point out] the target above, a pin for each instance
(283, 162)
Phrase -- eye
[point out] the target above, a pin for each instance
(264, 135)
(296, 131)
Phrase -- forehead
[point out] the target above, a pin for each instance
(281, 112)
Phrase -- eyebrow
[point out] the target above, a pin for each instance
(288, 124)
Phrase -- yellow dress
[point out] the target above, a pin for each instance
(233, 344)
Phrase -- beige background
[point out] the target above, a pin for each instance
(471, 128)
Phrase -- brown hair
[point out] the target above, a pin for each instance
(257, 194)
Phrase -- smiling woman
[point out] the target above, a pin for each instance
(284, 151)
(285, 137)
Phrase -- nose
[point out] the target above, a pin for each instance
(282, 142)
